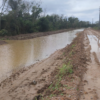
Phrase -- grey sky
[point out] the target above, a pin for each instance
(83, 9)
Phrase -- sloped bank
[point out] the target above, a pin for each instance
(57, 77)
(65, 80)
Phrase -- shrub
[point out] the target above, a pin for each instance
(3, 32)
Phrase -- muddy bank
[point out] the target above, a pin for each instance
(22, 53)
(30, 36)
(68, 88)
(2, 42)
(41, 79)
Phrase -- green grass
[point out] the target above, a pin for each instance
(52, 95)
(65, 69)
(1, 39)
(67, 87)
(55, 86)
(73, 46)
(63, 53)
(62, 94)
(62, 71)
(71, 53)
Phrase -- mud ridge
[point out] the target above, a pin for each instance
(57, 77)
(75, 53)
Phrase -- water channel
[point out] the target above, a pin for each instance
(22, 53)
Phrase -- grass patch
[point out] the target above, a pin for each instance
(73, 46)
(71, 53)
(67, 87)
(55, 88)
(65, 69)
(1, 39)
(63, 53)
(62, 94)
(52, 95)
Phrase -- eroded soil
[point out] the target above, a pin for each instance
(29, 83)
(47, 80)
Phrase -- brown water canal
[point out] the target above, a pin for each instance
(22, 53)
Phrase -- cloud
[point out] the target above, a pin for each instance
(83, 9)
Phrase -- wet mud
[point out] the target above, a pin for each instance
(34, 81)
(22, 53)
(90, 84)
(2, 42)
(39, 81)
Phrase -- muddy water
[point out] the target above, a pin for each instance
(95, 45)
(21, 53)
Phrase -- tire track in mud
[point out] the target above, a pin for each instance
(91, 80)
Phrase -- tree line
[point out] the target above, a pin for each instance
(22, 17)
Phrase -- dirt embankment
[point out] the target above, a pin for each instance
(30, 36)
(57, 77)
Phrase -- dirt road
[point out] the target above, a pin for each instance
(91, 80)
(72, 73)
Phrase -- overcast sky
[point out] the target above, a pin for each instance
(83, 9)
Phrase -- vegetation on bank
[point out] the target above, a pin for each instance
(21, 17)
(54, 88)
(96, 27)
(65, 80)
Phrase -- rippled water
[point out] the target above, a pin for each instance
(21, 53)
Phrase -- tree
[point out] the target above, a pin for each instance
(2, 8)
(23, 17)
(36, 10)
(43, 24)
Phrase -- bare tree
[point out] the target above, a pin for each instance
(2, 8)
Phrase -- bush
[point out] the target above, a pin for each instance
(43, 24)
(3, 32)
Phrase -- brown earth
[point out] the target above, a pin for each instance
(70, 82)
(34, 81)
(2, 42)
(30, 36)
(90, 86)
(44, 80)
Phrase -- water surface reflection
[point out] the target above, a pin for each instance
(22, 53)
